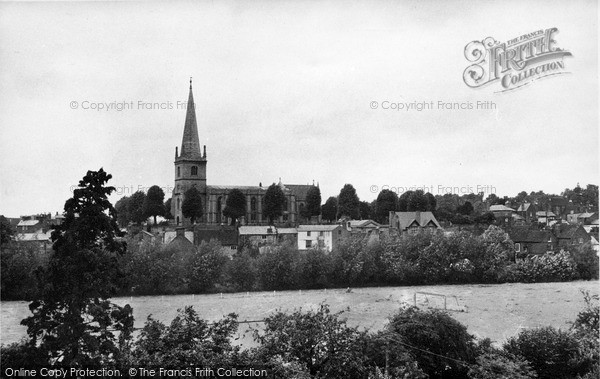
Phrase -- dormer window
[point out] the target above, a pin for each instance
(194, 170)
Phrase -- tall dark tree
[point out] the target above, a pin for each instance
(329, 209)
(168, 215)
(465, 209)
(235, 206)
(366, 213)
(387, 201)
(6, 231)
(313, 202)
(431, 202)
(153, 203)
(73, 321)
(417, 201)
(273, 202)
(348, 203)
(403, 201)
(135, 207)
(122, 208)
(192, 205)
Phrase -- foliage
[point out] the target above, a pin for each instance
(500, 366)
(313, 202)
(168, 215)
(153, 203)
(417, 201)
(72, 321)
(403, 201)
(586, 261)
(273, 203)
(19, 264)
(235, 206)
(318, 340)
(314, 269)
(187, 341)
(122, 209)
(6, 230)
(440, 344)
(276, 269)
(329, 209)
(135, 207)
(552, 353)
(387, 201)
(348, 203)
(207, 266)
(365, 211)
(191, 207)
(550, 267)
(241, 272)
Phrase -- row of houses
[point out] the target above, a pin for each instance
(527, 213)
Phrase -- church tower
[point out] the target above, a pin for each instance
(190, 164)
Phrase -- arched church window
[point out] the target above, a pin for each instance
(178, 172)
(178, 204)
(253, 204)
(194, 170)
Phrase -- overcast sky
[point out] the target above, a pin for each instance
(284, 89)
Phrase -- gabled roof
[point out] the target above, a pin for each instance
(299, 190)
(422, 219)
(363, 223)
(28, 222)
(524, 207)
(317, 228)
(226, 237)
(257, 230)
(526, 234)
(500, 208)
(566, 231)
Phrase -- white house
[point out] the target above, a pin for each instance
(324, 237)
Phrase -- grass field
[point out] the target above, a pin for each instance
(495, 311)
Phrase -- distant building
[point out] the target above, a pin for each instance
(413, 221)
(181, 241)
(190, 171)
(570, 235)
(257, 235)
(533, 241)
(326, 237)
(227, 236)
(527, 212)
(546, 217)
(362, 226)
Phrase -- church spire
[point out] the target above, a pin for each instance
(190, 144)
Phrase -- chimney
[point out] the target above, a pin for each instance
(180, 231)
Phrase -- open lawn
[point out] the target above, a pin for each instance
(496, 311)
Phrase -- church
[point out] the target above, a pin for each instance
(190, 171)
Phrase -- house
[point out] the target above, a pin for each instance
(546, 217)
(527, 211)
(226, 235)
(41, 240)
(257, 235)
(412, 221)
(585, 218)
(529, 240)
(169, 236)
(362, 226)
(570, 235)
(29, 224)
(558, 205)
(502, 212)
(325, 237)
(182, 241)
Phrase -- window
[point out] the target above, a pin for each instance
(308, 234)
(321, 234)
(178, 172)
(308, 244)
(517, 247)
(194, 170)
(339, 232)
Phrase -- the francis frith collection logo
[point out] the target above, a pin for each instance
(515, 63)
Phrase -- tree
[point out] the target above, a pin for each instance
(168, 215)
(207, 266)
(73, 320)
(403, 201)
(387, 201)
(235, 206)
(153, 203)
(417, 201)
(6, 231)
(434, 331)
(122, 208)
(551, 352)
(431, 202)
(135, 207)
(366, 212)
(313, 202)
(348, 203)
(329, 209)
(465, 209)
(274, 200)
(318, 340)
(192, 204)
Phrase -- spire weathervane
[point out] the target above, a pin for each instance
(190, 82)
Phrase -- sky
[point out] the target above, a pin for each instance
(287, 89)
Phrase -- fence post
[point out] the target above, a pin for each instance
(445, 307)
(415, 298)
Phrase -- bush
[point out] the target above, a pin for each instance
(551, 352)
(18, 264)
(586, 261)
(550, 267)
(433, 335)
